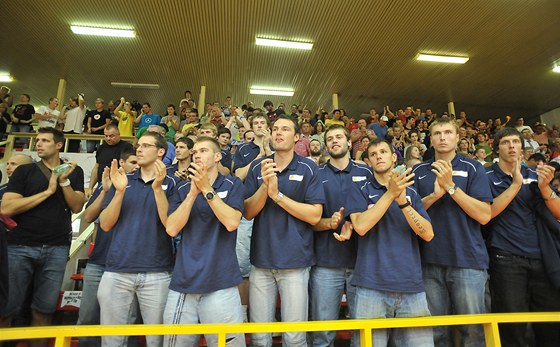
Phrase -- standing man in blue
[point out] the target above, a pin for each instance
(207, 211)
(89, 307)
(147, 118)
(389, 217)
(139, 260)
(455, 192)
(335, 260)
(518, 280)
(245, 155)
(285, 197)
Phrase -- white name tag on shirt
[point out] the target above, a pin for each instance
(222, 195)
(460, 173)
(529, 180)
(298, 178)
(164, 186)
(358, 178)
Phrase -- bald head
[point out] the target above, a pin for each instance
(15, 161)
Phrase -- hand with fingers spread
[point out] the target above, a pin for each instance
(345, 232)
(160, 174)
(118, 176)
(444, 173)
(182, 174)
(336, 218)
(399, 182)
(106, 179)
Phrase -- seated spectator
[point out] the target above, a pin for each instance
(535, 160)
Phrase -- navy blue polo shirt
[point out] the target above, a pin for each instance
(171, 169)
(226, 159)
(245, 154)
(388, 256)
(3, 189)
(140, 242)
(329, 252)
(102, 239)
(458, 238)
(206, 259)
(279, 240)
(515, 229)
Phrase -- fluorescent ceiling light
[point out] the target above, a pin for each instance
(284, 44)
(556, 66)
(442, 58)
(6, 78)
(135, 85)
(271, 91)
(81, 30)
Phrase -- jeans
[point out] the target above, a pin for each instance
(89, 307)
(243, 246)
(222, 306)
(452, 290)
(38, 270)
(371, 303)
(521, 284)
(326, 287)
(292, 284)
(117, 293)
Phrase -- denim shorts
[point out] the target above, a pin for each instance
(39, 271)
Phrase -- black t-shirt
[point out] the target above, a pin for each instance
(105, 154)
(98, 119)
(48, 223)
(24, 111)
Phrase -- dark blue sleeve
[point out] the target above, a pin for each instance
(479, 186)
(226, 160)
(236, 197)
(94, 195)
(251, 182)
(356, 198)
(417, 204)
(109, 197)
(315, 193)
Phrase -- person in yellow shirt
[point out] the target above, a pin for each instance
(336, 114)
(125, 118)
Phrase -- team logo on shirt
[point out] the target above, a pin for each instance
(529, 180)
(298, 178)
(97, 116)
(358, 178)
(460, 173)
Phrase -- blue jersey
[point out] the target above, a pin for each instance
(388, 255)
(515, 229)
(206, 259)
(279, 240)
(140, 242)
(458, 241)
(329, 252)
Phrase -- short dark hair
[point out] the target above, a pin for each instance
(294, 122)
(27, 96)
(335, 127)
(126, 153)
(379, 140)
(112, 126)
(268, 103)
(224, 130)
(148, 104)
(58, 136)
(160, 140)
(245, 133)
(507, 131)
(187, 141)
(538, 157)
(171, 105)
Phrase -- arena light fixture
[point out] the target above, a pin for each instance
(271, 91)
(135, 85)
(556, 66)
(284, 44)
(83, 30)
(5, 77)
(442, 58)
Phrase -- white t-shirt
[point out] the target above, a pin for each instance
(50, 122)
(75, 120)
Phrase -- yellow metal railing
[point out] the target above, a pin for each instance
(63, 334)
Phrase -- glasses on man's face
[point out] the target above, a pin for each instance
(144, 145)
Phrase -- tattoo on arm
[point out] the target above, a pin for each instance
(410, 211)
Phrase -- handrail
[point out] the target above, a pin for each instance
(63, 334)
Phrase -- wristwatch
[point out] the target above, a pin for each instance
(279, 197)
(451, 190)
(210, 195)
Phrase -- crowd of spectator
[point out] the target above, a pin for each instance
(208, 214)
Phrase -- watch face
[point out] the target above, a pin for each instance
(210, 195)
